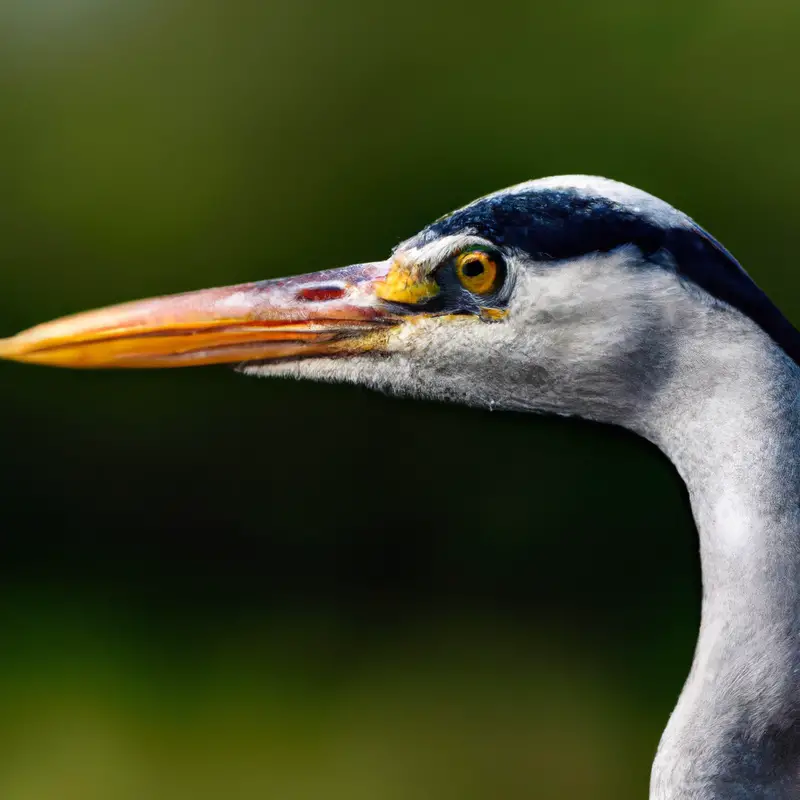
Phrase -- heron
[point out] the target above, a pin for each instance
(578, 296)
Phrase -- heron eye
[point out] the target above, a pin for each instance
(477, 272)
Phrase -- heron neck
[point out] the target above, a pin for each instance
(731, 425)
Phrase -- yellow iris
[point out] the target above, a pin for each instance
(477, 272)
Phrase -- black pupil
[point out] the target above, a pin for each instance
(473, 268)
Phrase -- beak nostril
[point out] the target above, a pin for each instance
(320, 294)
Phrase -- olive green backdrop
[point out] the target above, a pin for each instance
(219, 587)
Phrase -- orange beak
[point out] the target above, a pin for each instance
(335, 312)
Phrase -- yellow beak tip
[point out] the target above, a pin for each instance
(12, 349)
(8, 349)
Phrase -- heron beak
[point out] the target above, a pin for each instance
(336, 312)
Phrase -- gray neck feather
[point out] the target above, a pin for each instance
(729, 420)
(617, 340)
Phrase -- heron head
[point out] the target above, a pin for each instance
(566, 294)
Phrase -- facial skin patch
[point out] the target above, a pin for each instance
(407, 282)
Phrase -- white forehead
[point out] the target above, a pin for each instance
(640, 202)
(440, 250)
(628, 198)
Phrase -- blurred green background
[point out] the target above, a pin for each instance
(210, 586)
